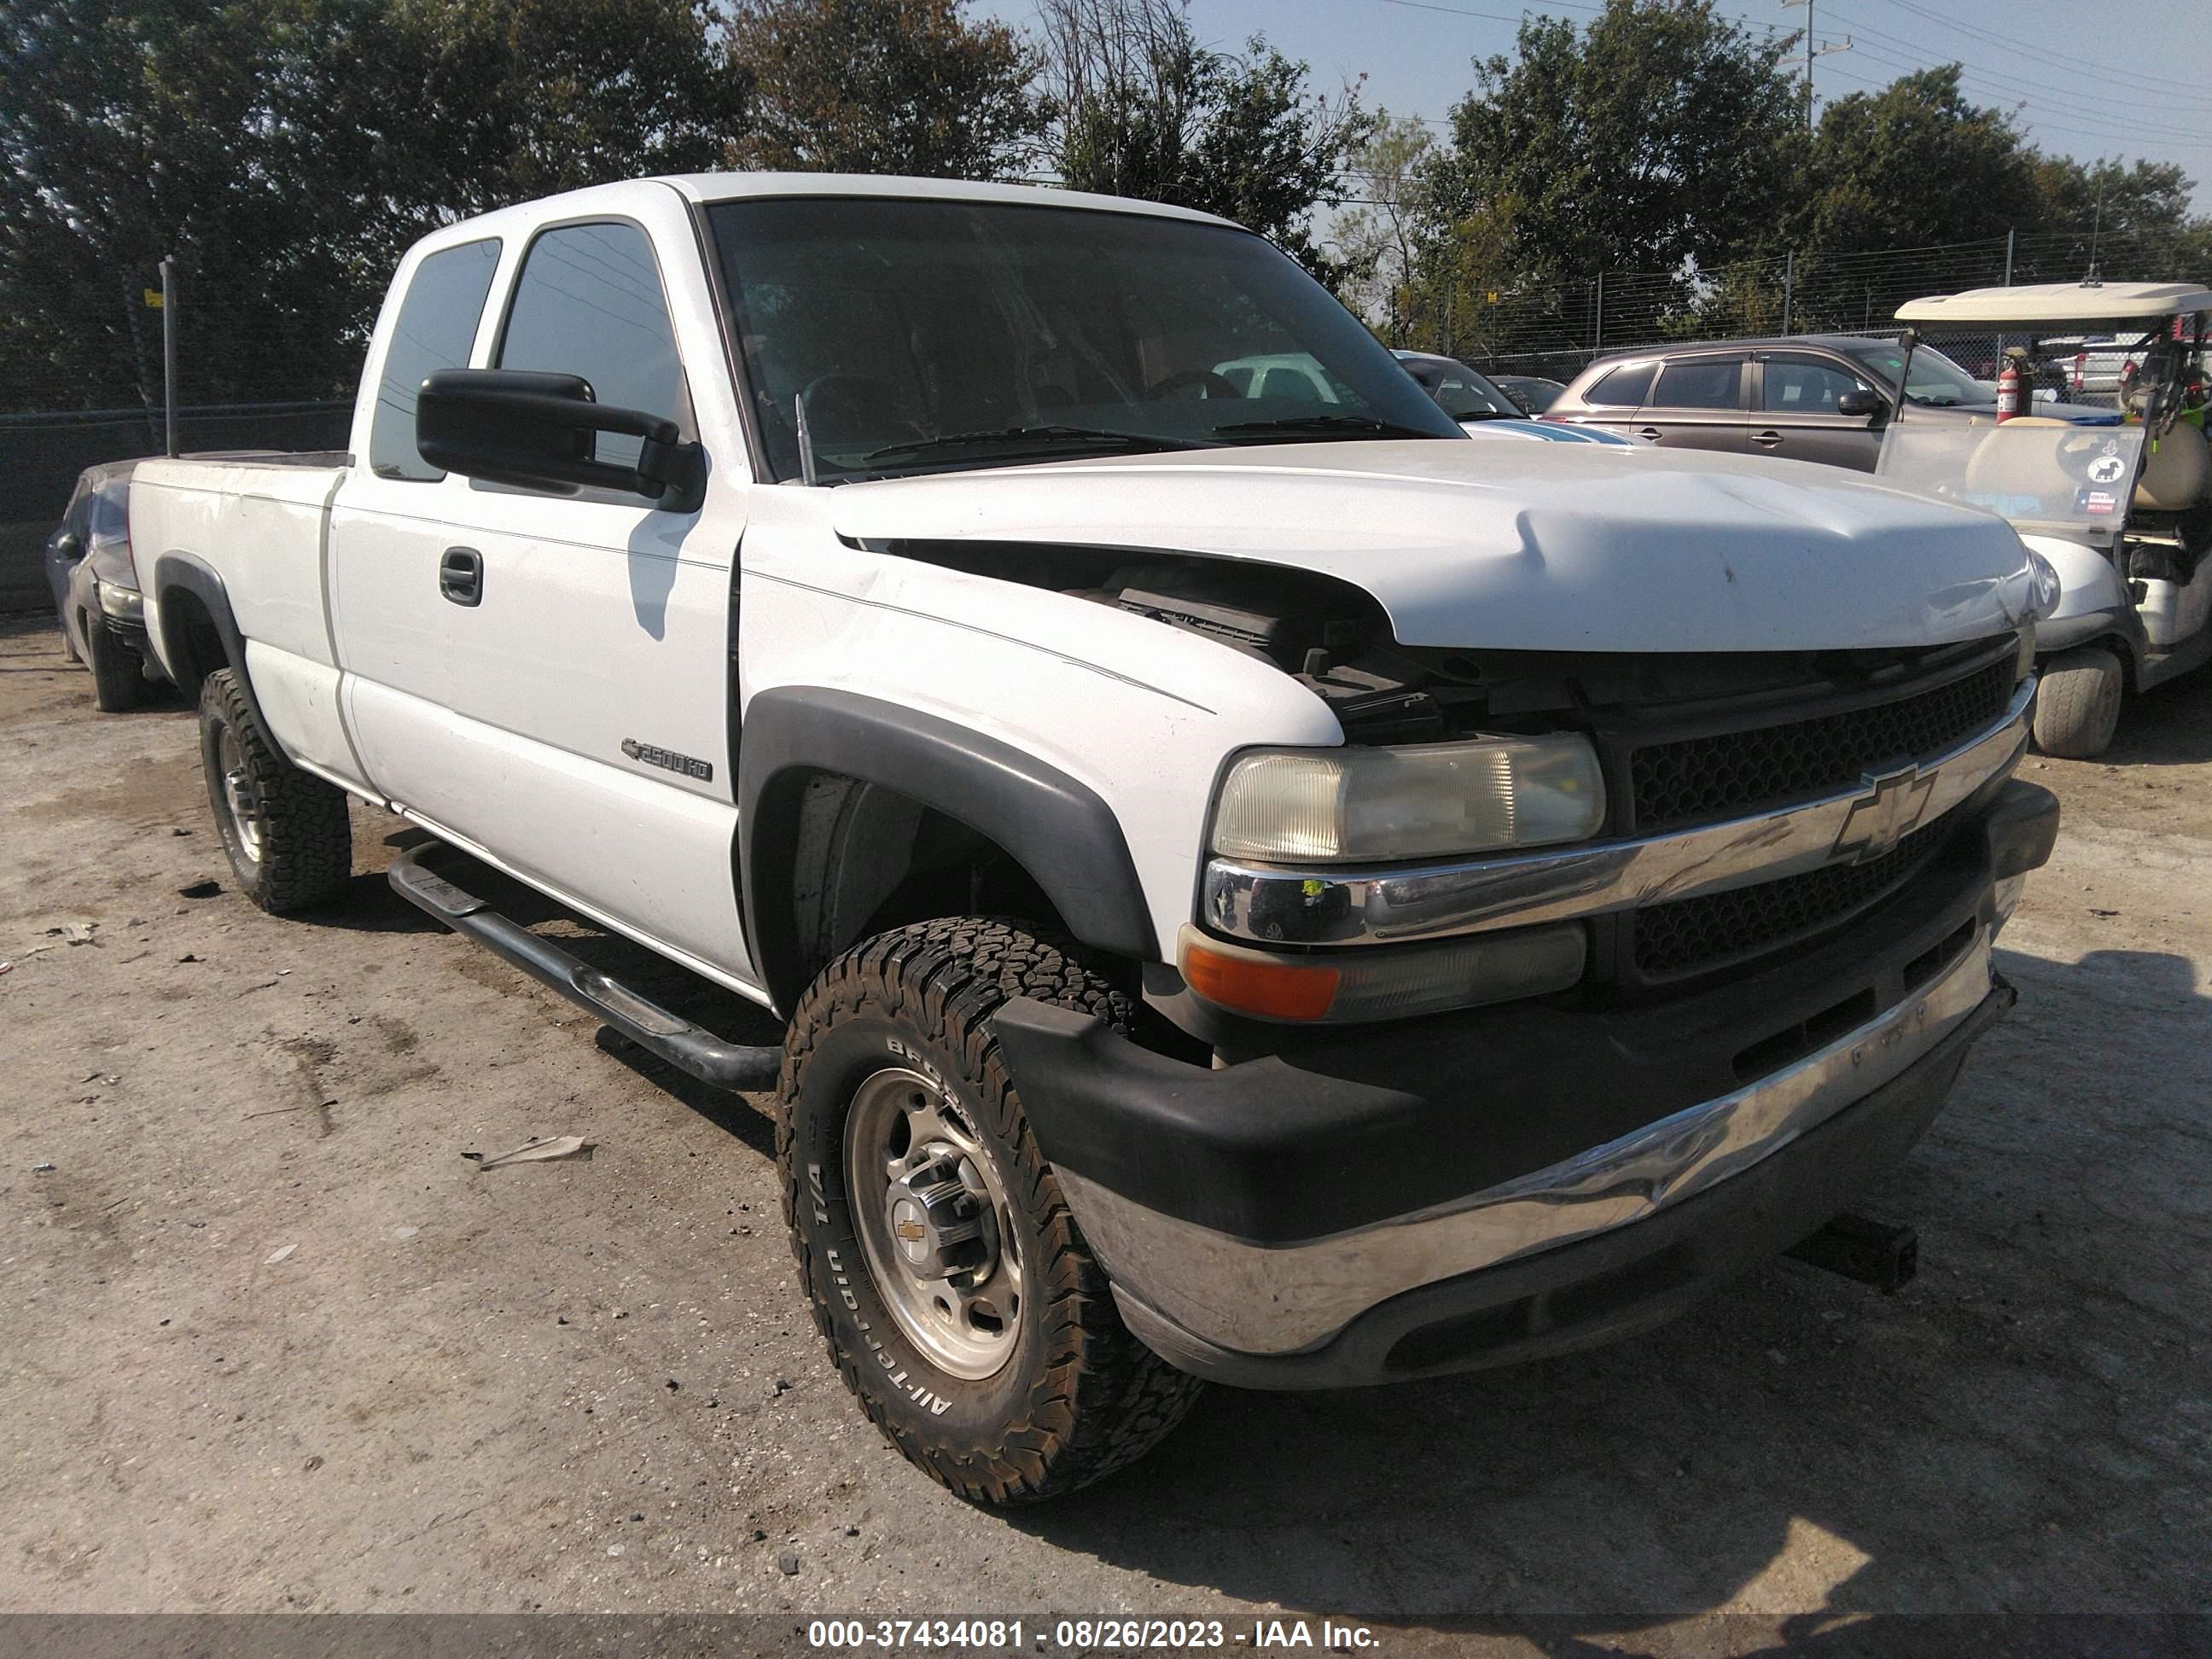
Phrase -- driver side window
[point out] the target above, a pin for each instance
(589, 302)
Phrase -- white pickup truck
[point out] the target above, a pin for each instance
(1258, 887)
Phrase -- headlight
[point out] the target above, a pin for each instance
(1361, 806)
(124, 604)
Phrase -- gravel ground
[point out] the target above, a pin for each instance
(272, 1344)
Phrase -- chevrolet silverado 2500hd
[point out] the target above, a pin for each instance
(1258, 886)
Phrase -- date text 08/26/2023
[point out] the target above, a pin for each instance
(1112, 1633)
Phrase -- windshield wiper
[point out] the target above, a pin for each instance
(1323, 426)
(1020, 438)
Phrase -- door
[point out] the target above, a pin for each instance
(1797, 418)
(387, 535)
(1698, 402)
(588, 633)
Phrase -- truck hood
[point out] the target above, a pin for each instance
(1564, 547)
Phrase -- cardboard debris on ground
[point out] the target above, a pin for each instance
(541, 1150)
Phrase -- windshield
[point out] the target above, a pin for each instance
(930, 335)
(1936, 380)
(2075, 480)
(111, 511)
(1460, 391)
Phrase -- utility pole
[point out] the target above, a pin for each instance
(1813, 51)
(169, 352)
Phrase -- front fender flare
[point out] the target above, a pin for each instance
(1059, 828)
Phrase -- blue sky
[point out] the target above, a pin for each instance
(2096, 78)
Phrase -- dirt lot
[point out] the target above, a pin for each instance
(271, 1344)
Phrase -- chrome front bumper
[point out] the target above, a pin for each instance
(1270, 905)
(1270, 1300)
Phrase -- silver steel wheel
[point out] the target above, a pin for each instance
(934, 1224)
(247, 822)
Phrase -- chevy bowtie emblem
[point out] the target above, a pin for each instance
(1880, 820)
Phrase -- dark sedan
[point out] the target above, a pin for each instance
(1815, 397)
(96, 586)
(1532, 392)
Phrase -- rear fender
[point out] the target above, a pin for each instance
(191, 604)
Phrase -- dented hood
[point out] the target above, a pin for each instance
(1532, 547)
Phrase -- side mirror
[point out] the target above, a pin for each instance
(1861, 402)
(517, 426)
(69, 545)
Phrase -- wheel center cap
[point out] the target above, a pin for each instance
(940, 1227)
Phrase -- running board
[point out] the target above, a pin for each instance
(688, 1048)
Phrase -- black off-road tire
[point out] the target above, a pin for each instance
(119, 682)
(306, 836)
(2077, 704)
(1079, 1396)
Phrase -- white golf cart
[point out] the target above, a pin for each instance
(2120, 503)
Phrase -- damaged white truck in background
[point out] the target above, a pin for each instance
(1258, 887)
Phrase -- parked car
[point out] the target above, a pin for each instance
(1483, 411)
(1461, 391)
(94, 583)
(1532, 392)
(1257, 886)
(1297, 375)
(1823, 398)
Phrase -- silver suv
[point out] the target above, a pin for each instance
(1815, 397)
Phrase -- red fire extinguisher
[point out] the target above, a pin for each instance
(2009, 390)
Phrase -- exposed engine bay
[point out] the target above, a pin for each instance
(1335, 640)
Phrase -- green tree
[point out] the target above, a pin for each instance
(286, 151)
(1141, 109)
(1377, 239)
(1913, 165)
(910, 86)
(131, 129)
(474, 104)
(2134, 220)
(1660, 134)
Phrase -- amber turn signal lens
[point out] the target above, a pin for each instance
(1248, 985)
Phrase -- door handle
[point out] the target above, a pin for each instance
(460, 575)
(1767, 439)
(1648, 433)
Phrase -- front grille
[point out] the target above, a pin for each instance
(1692, 935)
(1698, 780)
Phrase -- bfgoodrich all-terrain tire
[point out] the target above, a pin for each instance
(2077, 705)
(957, 1298)
(119, 683)
(286, 831)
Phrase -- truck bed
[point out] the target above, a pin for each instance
(258, 524)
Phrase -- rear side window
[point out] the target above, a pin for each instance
(436, 324)
(1625, 388)
(1701, 383)
(589, 302)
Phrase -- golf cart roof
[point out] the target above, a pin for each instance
(2075, 304)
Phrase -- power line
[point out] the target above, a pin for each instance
(2088, 69)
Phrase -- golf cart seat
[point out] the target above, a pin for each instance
(2177, 474)
(1994, 466)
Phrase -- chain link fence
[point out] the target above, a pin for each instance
(1558, 330)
